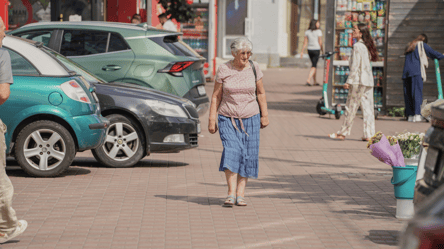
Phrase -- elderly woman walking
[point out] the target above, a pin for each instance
(360, 82)
(240, 106)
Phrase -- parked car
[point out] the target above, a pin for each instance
(120, 52)
(142, 120)
(434, 163)
(51, 114)
(426, 229)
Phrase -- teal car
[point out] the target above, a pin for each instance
(51, 113)
(121, 52)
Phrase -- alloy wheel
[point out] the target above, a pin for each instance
(44, 149)
(121, 142)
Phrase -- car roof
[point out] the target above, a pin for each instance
(44, 63)
(125, 29)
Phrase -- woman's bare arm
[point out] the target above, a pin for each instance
(262, 99)
(320, 44)
(216, 98)
(304, 46)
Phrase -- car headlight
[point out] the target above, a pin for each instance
(190, 103)
(166, 109)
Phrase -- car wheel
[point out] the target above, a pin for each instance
(45, 148)
(123, 145)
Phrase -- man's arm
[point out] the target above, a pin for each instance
(4, 92)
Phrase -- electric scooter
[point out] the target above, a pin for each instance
(323, 107)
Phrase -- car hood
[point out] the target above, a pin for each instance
(135, 91)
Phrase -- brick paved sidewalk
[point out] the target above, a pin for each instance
(312, 192)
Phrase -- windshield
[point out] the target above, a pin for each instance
(72, 66)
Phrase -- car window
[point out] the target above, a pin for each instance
(40, 36)
(21, 66)
(116, 43)
(175, 46)
(72, 66)
(80, 42)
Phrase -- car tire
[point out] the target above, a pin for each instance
(45, 148)
(118, 151)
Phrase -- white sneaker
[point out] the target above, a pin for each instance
(418, 118)
(21, 227)
(410, 119)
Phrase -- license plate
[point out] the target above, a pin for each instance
(199, 129)
(432, 157)
(201, 90)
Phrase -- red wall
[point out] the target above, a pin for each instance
(4, 7)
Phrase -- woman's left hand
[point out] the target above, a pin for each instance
(264, 122)
(346, 86)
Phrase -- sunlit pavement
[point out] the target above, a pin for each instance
(312, 192)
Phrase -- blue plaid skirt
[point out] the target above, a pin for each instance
(241, 147)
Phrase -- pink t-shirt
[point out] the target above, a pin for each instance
(239, 90)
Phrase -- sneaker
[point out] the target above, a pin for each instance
(21, 227)
(410, 119)
(418, 118)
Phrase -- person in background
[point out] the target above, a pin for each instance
(313, 43)
(239, 105)
(414, 75)
(136, 19)
(361, 83)
(10, 227)
(167, 24)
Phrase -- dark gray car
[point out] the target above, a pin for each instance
(142, 121)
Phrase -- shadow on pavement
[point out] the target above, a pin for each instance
(91, 162)
(384, 237)
(205, 201)
(308, 106)
(15, 170)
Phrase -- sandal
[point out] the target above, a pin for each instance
(229, 202)
(337, 136)
(308, 84)
(240, 201)
(365, 139)
(317, 84)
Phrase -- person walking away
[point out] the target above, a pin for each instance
(414, 75)
(240, 105)
(313, 43)
(136, 19)
(167, 24)
(9, 226)
(360, 82)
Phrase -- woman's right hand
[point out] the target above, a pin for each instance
(302, 55)
(346, 86)
(212, 127)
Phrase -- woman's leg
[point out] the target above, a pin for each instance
(241, 184)
(353, 101)
(408, 97)
(417, 85)
(231, 182)
(314, 77)
(368, 112)
(311, 74)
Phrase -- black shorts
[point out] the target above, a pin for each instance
(314, 57)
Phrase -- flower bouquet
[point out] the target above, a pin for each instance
(386, 149)
(410, 144)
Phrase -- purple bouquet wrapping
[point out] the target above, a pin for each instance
(388, 154)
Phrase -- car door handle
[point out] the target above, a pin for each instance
(111, 68)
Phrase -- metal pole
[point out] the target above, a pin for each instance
(316, 10)
(329, 41)
(438, 79)
(149, 11)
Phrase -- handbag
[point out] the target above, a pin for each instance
(255, 81)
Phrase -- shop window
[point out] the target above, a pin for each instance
(21, 66)
(38, 36)
(79, 42)
(116, 43)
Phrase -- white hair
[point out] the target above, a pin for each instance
(241, 43)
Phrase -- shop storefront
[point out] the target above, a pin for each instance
(346, 14)
(22, 12)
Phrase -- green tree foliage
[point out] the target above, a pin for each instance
(178, 9)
